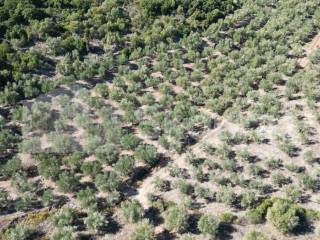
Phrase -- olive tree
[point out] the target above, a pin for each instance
(62, 143)
(107, 182)
(11, 167)
(39, 117)
(48, 165)
(176, 219)
(132, 210)
(130, 141)
(285, 145)
(102, 90)
(47, 197)
(4, 199)
(108, 153)
(226, 195)
(92, 168)
(208, 225)
(63, 233)
(31, 145)
(143, 231)
(19, 232)
(124, 166)
(255, 235)
(147, 153)
(63, 217)
(67, 181)
(87, 198)
(94, 221)
(248, 199)
(283, 215)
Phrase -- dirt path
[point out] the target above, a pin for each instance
(309, 49)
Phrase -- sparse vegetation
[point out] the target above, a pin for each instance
(139, 119)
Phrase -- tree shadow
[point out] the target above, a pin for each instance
(60, 201)
(154, 217)
(31, 171)
(85, 236)
(304, 227)
(112, 227)
(165, 235)
(225, 231)
(9, 208)
(128, 190)
(193, 223)
(139, 173)
(37, 234)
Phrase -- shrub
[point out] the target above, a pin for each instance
(279, 179)
(248, 199)
(309, 182)
(255, 235)
(74, 160)
(293, 193)
(283, 215)
(129, 141)
(39, 117)
(146, 153)
(113, 198)
(305, 131)
(48, 166)
(63, 217)
(107, 182)
(102, 90)
(8, 140)
(11, 167)
(226, 195)
(47, 198)
(107, 154)
(132, 210)
(143, 231)
(4, 198)
(273, 163)
(285, 145)
(257, 215)
(26, 202)
(62, 143)
(186, 236)
(208, 225)
(255, 170)
(87, 198)
(184, 187)
(294, 168)
(158, 203)
(92, 142)
(65, 233)
(21, 183)
(91, 168)
(309, 157)
(31, 145)
(268, 104)
(205, 193)
(125, 165)
(67, 181)
(243, 155)
(176, 219)
(227, 218)
(315, 57)
(94, 221)
(19, 232)
(161, 184)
